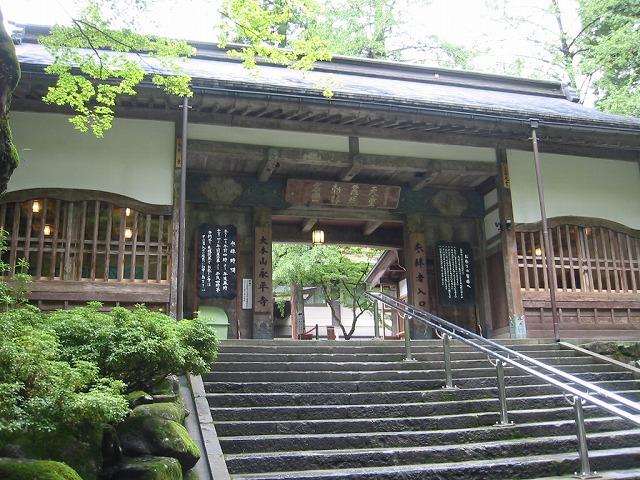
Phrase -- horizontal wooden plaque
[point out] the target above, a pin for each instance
(340, 194)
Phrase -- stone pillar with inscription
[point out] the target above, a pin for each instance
(417, 282)
(262, 276)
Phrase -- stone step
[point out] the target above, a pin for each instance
(395, 355)
(524, 467)
(394, 385)
(365, 364)
(253, 399)
(629, 474)
(371, 346)
(392, 439)
(418, 409)
(357, 410)
(361, 425)
(372, 375)
(386, 457)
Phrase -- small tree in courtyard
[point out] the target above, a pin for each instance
(339, 272)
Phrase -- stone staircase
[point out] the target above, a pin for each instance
(288, 409)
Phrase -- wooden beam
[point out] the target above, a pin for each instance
(354, 214)
(342, 235)
(356, 163)
(370, 227)
(79, 195)
(269, 165)
(308, 224)
(420, 182)
(99, 291)
(213, 151)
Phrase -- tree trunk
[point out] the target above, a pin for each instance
(9, 78)
(297, 309)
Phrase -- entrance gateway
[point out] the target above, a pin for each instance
(434, 165)
(349, 214)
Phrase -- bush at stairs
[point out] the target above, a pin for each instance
(151, 444)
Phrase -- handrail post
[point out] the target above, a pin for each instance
(581, 433)
(376, 319)
(502, 395)
(407, 339)
(446, 346)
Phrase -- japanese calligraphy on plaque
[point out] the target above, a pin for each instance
(359, 195)
(263, 298)
(418, 281)
(455, 273)
(217, 261)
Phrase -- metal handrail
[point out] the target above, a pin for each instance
(506, 356)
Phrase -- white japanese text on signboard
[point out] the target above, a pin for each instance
(455, 269)
(218, 261)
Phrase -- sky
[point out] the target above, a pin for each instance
(467, 22)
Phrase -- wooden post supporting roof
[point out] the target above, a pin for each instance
(262, 275)
(416, 267)
(517, 323)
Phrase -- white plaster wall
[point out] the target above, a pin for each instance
(337, 143)
(135, 158)
(576, 186)
(321, 316)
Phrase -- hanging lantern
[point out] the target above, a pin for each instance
(317, 237)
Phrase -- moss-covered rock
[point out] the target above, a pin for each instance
(190, 475)
(82, 451)
(150, 435)
(14, 469)
(111, 448)
(618, 350)
(139, 398)
(175, 411)
(169, 386)
(148, 468)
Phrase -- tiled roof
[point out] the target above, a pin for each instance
(374, 84)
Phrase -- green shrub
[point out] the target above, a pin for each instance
(138, 347)
(42, 393)
(13, 292)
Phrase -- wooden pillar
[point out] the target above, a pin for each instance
(416, 266)
(517, 324)
(262, 275)
(175, 227)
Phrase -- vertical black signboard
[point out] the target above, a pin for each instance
(217, 261)
(455, 274)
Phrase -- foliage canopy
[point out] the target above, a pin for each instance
(91, 44)
(611, 46)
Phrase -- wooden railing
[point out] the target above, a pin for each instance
(79, 238)
(586, 258)
(596, 266)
